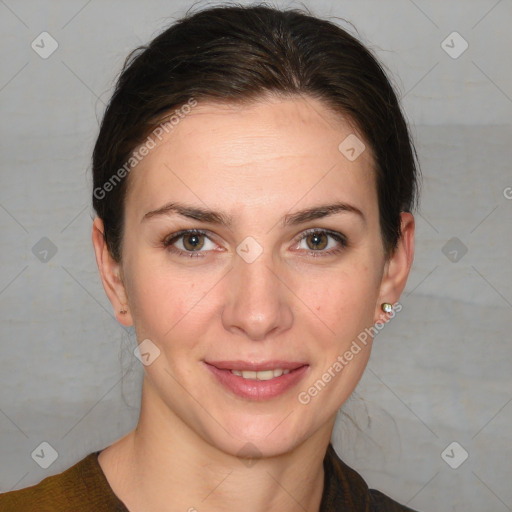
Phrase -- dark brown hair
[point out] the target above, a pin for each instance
(236, 54)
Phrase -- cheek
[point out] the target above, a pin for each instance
(166, 301)
(343, 299)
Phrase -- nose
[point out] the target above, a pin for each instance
(257, 303)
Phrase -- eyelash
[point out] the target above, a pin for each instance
(339, 237)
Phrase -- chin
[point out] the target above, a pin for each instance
(269, 437)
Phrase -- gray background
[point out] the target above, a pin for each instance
(440, 371)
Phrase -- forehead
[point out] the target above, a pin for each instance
(264, 127)
(257, 152)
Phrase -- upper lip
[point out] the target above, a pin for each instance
(256, 367)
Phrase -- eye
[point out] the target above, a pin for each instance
(190, 243)
(195, 243)
(322, 242)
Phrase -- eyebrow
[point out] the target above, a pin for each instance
(215, 217)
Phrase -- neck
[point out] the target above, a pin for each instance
(164, 465)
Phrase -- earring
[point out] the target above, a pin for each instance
(386, 307)
(123, 311)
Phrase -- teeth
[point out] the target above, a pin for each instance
(263, 375)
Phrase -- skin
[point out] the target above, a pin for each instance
(256, 164)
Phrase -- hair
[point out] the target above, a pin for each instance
(237, 55)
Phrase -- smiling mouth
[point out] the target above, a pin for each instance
(258, 381)
(258, 371)
(262, 375)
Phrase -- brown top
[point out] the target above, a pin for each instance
(84, 488)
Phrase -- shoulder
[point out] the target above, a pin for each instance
(345, 489)
(382, 503)
(81, 487)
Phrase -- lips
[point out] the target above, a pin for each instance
(261, 375)
(258, 381)
(256, 367)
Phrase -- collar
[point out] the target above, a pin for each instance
(344, 488)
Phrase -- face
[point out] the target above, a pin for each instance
(252, 243)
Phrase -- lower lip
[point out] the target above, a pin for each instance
(258, 389)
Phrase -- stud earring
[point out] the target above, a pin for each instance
(386, 307)
(123, 311)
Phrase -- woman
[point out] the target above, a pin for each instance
(253, 183)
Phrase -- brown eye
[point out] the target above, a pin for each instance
(317, 241)
(190, 243)
(322, 242)
(193, 241)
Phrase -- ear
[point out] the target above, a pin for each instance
(111, 274)
(397, 268)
